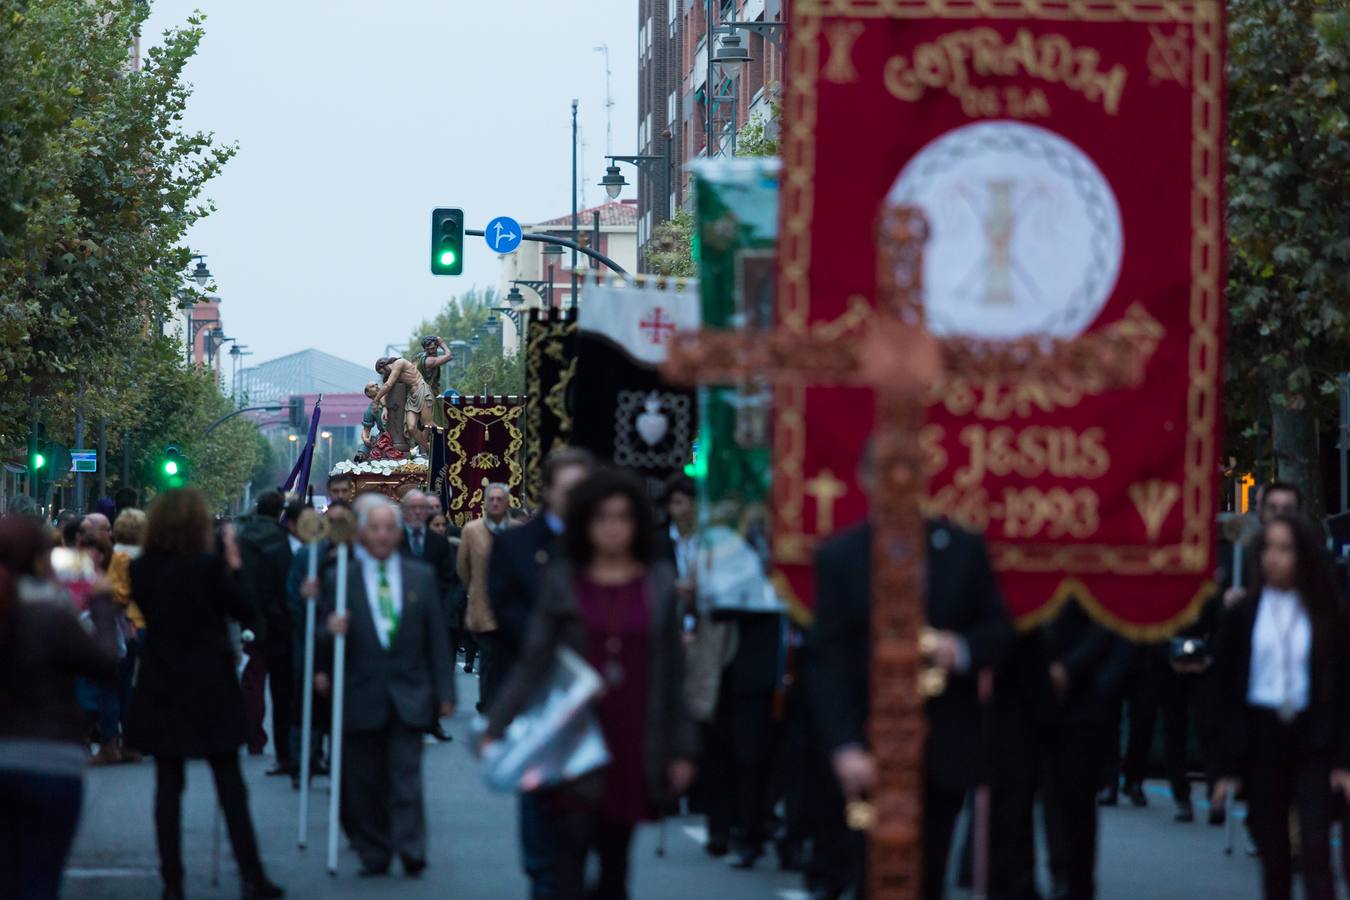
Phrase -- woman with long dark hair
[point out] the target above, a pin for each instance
(1282, 672)
(611, 603)
(187, 703)
(43, 649)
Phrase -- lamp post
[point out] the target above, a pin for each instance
(543, 288)
(328, 436)
(294, 440)
(200, 273)
(614, 182)
(576, 236)
(215, 339)
(237, 354)
(770, 31)
(270, 407)
(550, 256)
(187, 301)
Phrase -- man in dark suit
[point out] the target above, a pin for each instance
(399, 680)
(515, 564)
(519, 555)
(972, 632)
(420, 542)
(266, 551)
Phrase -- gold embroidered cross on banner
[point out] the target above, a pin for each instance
(899, 359)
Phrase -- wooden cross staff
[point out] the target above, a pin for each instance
(899, 359)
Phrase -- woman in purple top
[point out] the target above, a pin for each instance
(610, 602)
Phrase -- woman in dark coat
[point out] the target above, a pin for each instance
(611, 604)
(187, 703)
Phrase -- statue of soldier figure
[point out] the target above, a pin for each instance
(414, 408)
(435, 354)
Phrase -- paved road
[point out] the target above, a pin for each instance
(473, 848)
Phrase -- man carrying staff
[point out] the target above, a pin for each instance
(417, 408)
(400, 681)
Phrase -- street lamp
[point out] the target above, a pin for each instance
(731, 56)
(294, 446)
(613, 182)
(215, 339)
(328, 436)
(201, 274)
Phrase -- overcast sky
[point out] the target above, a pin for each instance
(354, 119)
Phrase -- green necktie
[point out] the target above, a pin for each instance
(385, 597)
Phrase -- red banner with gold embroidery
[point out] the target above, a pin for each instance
(1068, 156)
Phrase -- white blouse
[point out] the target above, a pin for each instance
(1281, 653)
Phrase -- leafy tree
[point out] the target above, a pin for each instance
(99, 184)
(670, 249)
(180, 405)
(759, 136)
(1288, 227)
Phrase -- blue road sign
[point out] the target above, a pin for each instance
(502, 234)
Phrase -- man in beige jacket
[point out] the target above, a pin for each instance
(475, 546)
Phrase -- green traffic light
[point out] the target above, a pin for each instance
(447, 258)
(39, 461)
(170, 468)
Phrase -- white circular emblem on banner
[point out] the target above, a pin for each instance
(1025, 232)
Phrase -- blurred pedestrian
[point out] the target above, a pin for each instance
(439, 524)
(265, 547)
(123, 499)
(515, 571)
(326, 551)
(971, 631)
(128, 535)
(1281, 668)
(475, 546)
(68, 525)
(187, 703)
(734, 667)
(96, 525)
(399, 681)
(43, 649)
(341, 489)
(420, 542)
(608, 601)
(104, 694)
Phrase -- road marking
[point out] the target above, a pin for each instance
(111, 873)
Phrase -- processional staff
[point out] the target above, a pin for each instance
(341, 532)
(312, 528)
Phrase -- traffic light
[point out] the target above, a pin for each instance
(39, 460)
(173, 467)
(447, 241)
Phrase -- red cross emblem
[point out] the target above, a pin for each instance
(658, 327)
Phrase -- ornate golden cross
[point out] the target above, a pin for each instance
(900, 360)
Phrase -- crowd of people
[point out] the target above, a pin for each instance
(123, 633)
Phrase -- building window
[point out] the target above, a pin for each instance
(670, 107)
